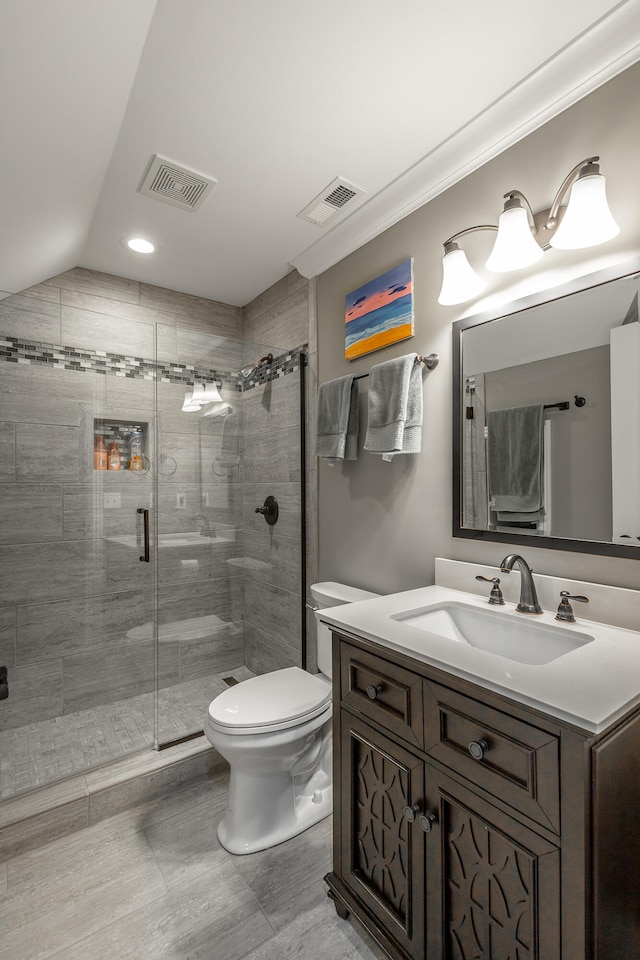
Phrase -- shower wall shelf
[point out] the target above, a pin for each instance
(120, 430)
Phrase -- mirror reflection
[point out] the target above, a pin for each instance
(547, 404)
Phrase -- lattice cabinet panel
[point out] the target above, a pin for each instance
(381, 854)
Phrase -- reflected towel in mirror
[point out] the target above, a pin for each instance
(515, 455)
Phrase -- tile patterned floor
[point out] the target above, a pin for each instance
(154, 884)
(41, 753)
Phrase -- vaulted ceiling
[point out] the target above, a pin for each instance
(273, 101)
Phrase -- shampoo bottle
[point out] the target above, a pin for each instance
(114, 457)
(100, 454)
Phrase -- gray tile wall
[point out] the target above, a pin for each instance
(76, 612)
(271, 464)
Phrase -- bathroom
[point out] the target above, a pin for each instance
(373, 525)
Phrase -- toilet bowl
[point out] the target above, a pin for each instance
(275, 732)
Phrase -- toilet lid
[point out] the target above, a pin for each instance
(277, 697)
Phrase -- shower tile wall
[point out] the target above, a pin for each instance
(271, 465)
(65, 561)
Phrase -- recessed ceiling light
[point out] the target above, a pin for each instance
(140, 245)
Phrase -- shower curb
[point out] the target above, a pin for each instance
(55, 811)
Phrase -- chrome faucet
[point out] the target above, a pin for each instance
(528, 596)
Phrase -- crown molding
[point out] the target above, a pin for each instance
(597, 55)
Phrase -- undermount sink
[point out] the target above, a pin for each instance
(513, 637)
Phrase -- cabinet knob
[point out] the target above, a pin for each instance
(410, 813)
(373, 690)
(428, 821)
(478, 748)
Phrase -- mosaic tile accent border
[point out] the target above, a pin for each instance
(34, 352)
(279, 367)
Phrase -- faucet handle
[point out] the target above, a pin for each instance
(565, 610)
(495, 596)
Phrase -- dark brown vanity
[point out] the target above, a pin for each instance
(470, 827)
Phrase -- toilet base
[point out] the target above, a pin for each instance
(277, 789)
(308, 813)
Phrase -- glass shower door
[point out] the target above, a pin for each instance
(199, 530)
(76, 603)
(230, 587)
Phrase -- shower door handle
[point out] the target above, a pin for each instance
(145, 519)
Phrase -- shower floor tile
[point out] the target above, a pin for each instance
(40, 753)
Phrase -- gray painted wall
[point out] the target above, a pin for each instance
(382, 524)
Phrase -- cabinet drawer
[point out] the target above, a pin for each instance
(512, 760)
(382, 691)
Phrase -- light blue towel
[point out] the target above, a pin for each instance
(395, 407)
(337, 419)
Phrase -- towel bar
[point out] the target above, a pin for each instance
(430, 362)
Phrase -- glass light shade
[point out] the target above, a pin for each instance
(587, 220)
(211, 394)
(189, 406)
(515, 246)
(460, 282)
(197, 394)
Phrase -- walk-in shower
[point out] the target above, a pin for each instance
(133, 583)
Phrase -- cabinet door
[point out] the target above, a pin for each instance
(495, 883)
(382, 859)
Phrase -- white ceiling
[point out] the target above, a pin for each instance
(274, 100)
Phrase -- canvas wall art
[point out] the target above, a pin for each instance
(380, 312)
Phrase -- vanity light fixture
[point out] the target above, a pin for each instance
(188, 405)
(460, 282)
(201, 394)
(515, 245)
(522, 236)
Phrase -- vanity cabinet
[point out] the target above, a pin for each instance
(467, 827)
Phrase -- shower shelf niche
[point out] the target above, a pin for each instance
(120, 430)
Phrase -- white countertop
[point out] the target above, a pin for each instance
(591, 687)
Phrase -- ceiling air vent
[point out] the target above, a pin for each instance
(171, 183)
(330, 202)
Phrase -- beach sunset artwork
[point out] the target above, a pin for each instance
(380, 312)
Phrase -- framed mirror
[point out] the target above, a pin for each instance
(546, 418)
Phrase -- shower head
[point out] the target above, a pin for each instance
(250, 368)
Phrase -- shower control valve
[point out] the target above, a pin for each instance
(269, 510)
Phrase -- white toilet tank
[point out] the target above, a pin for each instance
(330, 594)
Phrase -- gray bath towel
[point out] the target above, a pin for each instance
(395, 407)
(337, 419)
(516, 460)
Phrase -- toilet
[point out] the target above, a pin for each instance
(275, 732)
